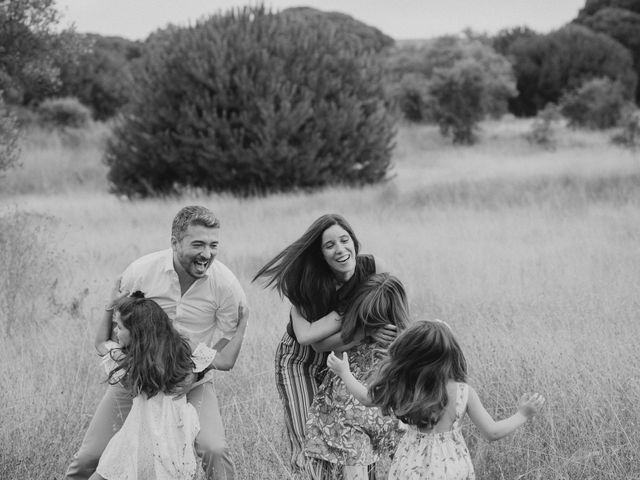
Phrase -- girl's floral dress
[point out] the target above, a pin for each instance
(340, 429)
(435, 456)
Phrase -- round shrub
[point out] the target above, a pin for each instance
(64, 112)
(252, 102)
(596, 104)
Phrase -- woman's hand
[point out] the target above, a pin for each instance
(385, 335)
(530, 404)
(339, 365)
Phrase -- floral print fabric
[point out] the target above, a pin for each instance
(435, 456)
(340, 429)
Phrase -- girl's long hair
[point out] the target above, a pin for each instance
(300, 272)
(158, 358)
(380, 300)
(412, 382)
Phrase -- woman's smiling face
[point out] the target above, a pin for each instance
(339, 251)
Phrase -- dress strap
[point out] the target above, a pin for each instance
(461, 402)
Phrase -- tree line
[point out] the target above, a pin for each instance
(251, 101)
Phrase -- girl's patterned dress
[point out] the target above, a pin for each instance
(340, 429)
(435, 456)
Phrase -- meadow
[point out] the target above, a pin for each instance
(533, 257)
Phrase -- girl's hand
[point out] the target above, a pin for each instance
(530, 404)
(339, 365)
(385, 335)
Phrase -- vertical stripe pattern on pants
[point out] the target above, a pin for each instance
(299, 372)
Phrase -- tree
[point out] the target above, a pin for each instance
(621, 21)
(546, 66)
(252, 102)
(102, 76)
(31, 51)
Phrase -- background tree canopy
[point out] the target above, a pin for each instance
(253, 102)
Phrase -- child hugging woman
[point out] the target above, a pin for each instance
(423, 383)
(156, 365)
(340, 429)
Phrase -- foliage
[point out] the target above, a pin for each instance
(9, 135)
(33, 50)
(64, 112)
(591, 7)
(629, 134)
(503, 40)
(252, 102)
(370, 37)
(621, 21)
(457, 98)
(419, 72)
(101, 78)
(546, 66)
(596, 104)
(542, 130)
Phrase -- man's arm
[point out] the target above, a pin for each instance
(226, 356)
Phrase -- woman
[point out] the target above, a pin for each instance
(319, 274)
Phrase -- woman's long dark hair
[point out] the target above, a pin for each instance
(379, 301)
(300, 272)
(157, 358)
(412, 382)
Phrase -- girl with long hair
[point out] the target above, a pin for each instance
(340, 429)
(423, 383)
(318, 273)
(157, 366)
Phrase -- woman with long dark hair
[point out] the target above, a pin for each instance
(318, 273)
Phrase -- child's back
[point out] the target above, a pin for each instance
(439, 452)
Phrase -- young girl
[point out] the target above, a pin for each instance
(341, 430)
(422, 383)
(156, 364)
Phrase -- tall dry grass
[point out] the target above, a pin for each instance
(532, 256)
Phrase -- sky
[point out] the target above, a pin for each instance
(400, 19)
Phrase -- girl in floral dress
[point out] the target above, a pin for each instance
(341, 430)
(422, 383)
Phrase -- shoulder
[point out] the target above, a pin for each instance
(151, 260)
(222, 278)
(371, 264)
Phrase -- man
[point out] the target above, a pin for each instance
(204, 300)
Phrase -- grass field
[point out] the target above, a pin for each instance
(532, 256)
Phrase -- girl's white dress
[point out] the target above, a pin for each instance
(435, 456)
(156, 441)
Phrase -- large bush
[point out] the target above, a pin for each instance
(620, 19)
(416, 74)
(64, 112)
(596, 104)
(101, 77)
(252, 102)
(546, 66)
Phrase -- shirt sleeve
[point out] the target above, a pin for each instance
(227, 313)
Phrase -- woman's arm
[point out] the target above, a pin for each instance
(311, 332)
(335, 342)
(492, 430)
(340, 366)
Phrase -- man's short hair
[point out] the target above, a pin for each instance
(192, 215)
